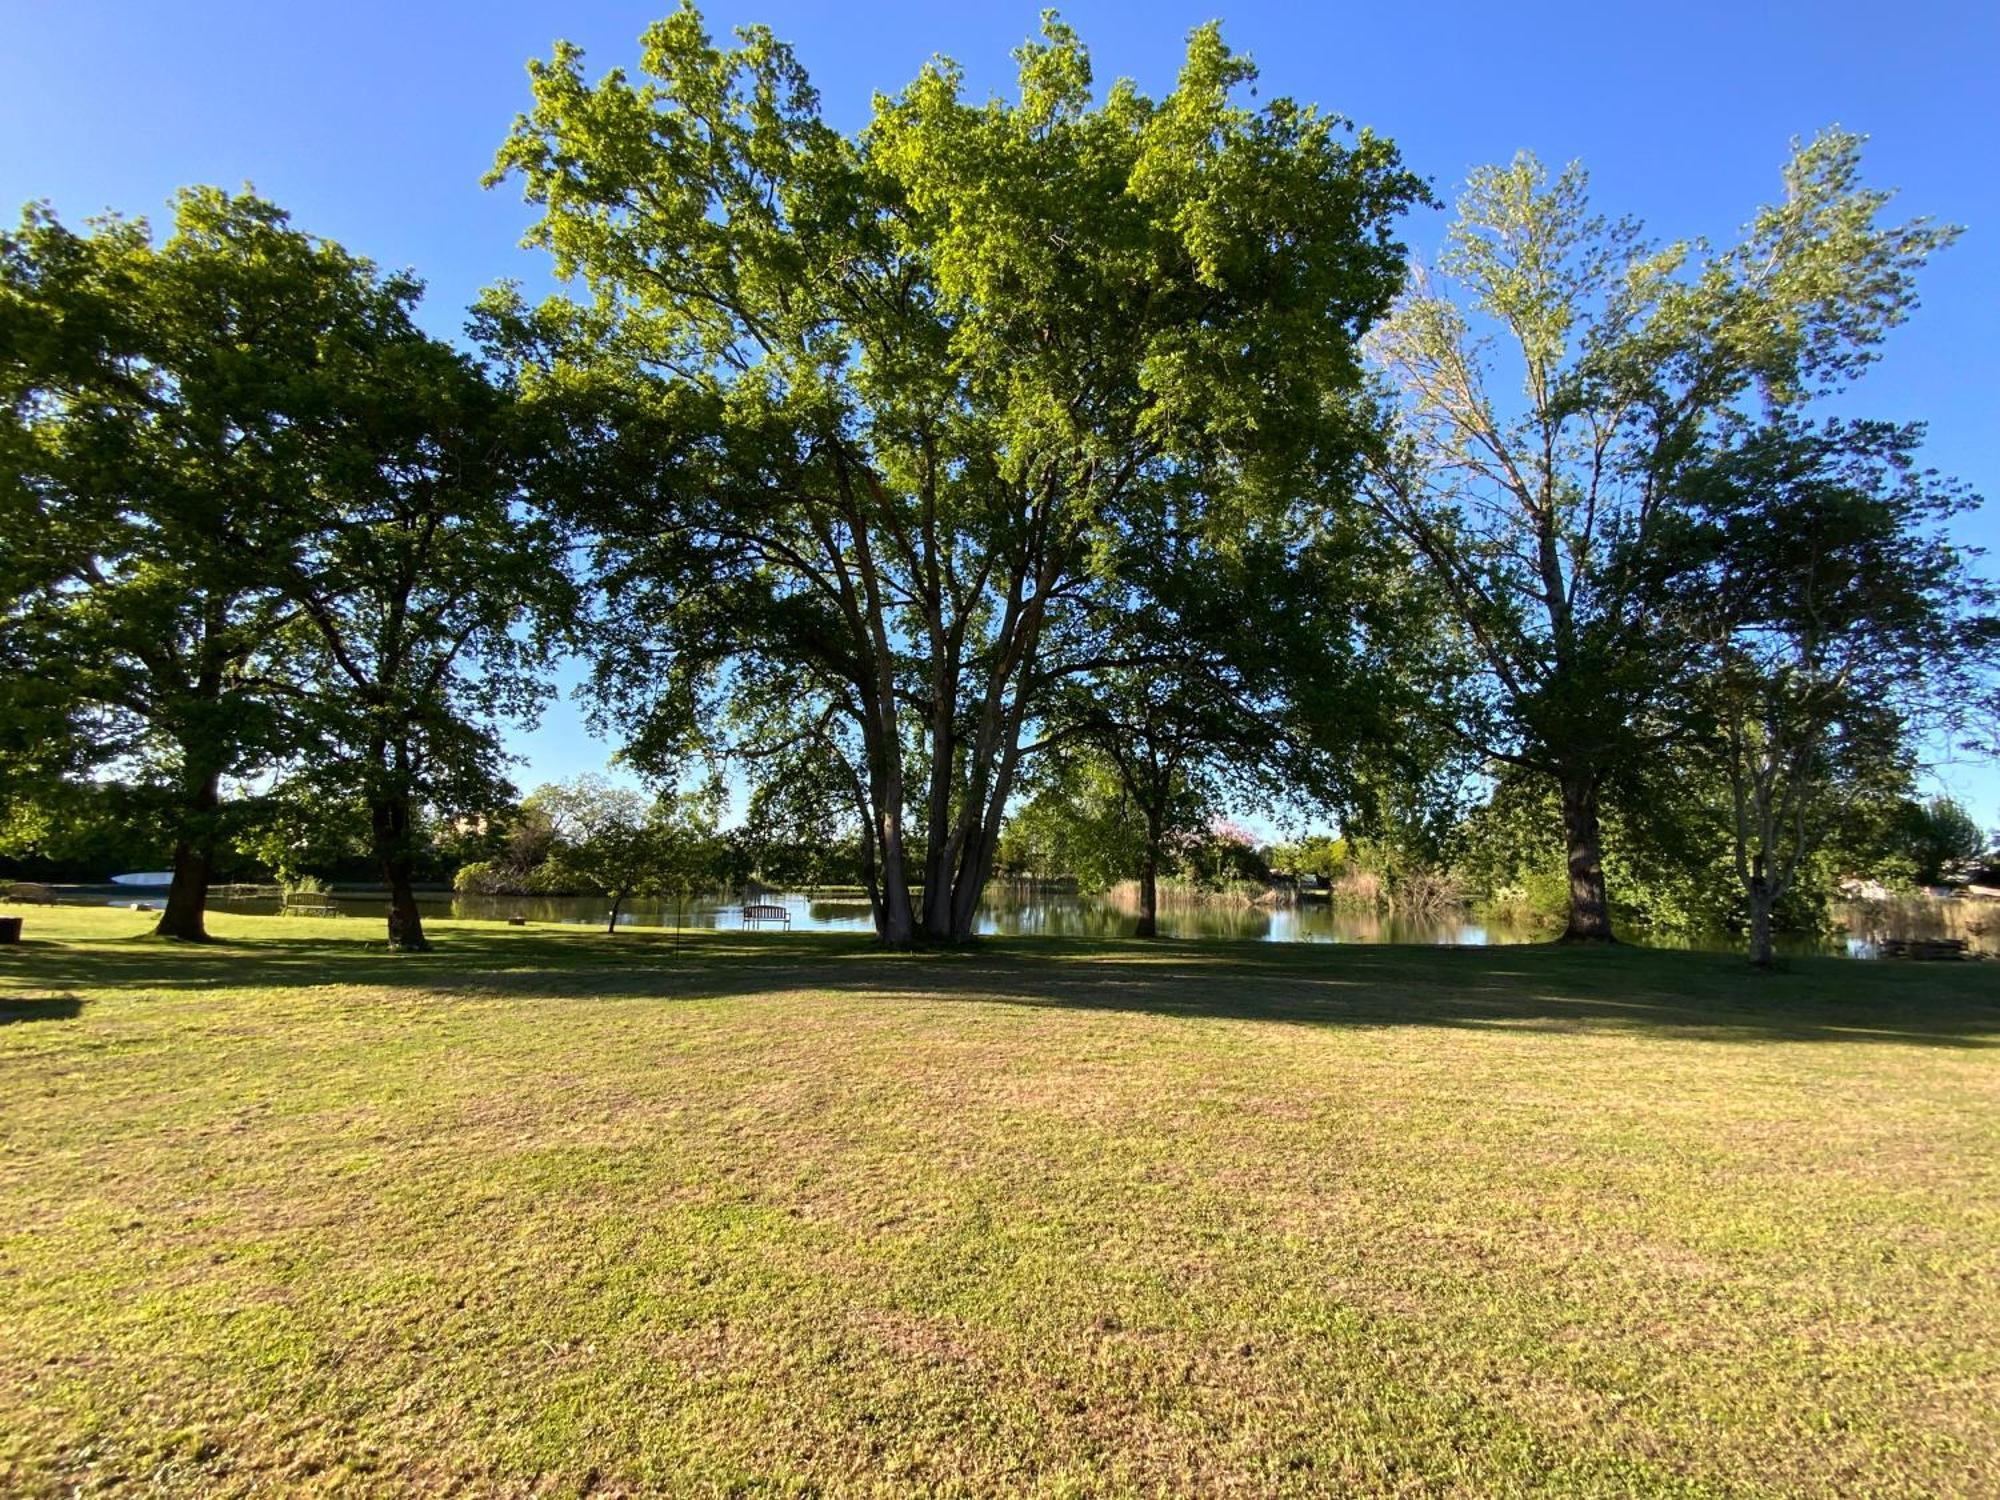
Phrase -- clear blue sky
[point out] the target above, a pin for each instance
(373, 122)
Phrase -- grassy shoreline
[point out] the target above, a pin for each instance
(549, 1212)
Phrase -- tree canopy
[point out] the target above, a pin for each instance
(1832, 619)
(1545, 515)
(885, 401)
(278, 528)
(165, 403)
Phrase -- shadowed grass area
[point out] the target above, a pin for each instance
(544, 1211)
(39, 1008)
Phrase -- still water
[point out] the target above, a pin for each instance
(1025, 909)
(1009, 910)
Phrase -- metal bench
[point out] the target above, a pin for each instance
(28, 893)
(757, 913)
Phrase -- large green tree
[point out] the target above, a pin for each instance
(268, 526)
(1542, 512)
(882, 399)
(434, 594)
(162, 405)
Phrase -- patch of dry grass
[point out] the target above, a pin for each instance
(549, 1213)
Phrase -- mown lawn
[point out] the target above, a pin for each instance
(549, 1213)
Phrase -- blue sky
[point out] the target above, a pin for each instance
(373, 122)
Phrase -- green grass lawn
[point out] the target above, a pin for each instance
(545, 1212)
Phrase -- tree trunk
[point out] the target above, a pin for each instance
(391, 821)
(870, 879)
(955, 919)
(948, 913)
(895, 922)
(1761, 901)
(1149, 882)
(974, 870)
(935, 913)
(611, 923)
(186, 914)
(982, 845)
(897, 925)
(1589, 909)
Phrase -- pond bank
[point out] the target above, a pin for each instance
(1014, 908)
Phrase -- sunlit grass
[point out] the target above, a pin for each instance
(550, 1212)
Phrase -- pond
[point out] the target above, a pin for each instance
(1061, 911)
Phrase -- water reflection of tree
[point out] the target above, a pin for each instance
(1977, 922)
(1011, 911)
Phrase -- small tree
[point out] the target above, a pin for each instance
(691, 852)
(1172, 749)
(1834, 621)
(801, 827)
(604, 833)
(630, 845)
(1322, 855)
(1249, 655)
(299, 832)
(1939, 836)
(1078, 821)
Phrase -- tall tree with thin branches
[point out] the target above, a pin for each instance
(1539, 512)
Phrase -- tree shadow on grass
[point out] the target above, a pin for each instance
(1536, 987)
(14, 1008)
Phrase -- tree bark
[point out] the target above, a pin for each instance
(611, 923)
(1149, 881)
(1589, 907)
(870, 879)
(897, 926)
(959, 911)
(935, 914)
(981, 847)
(390, 818)
(1762, 898)
(996, 810)
(186, 913)
(975, 870)
(934, 911)
(895, 921)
